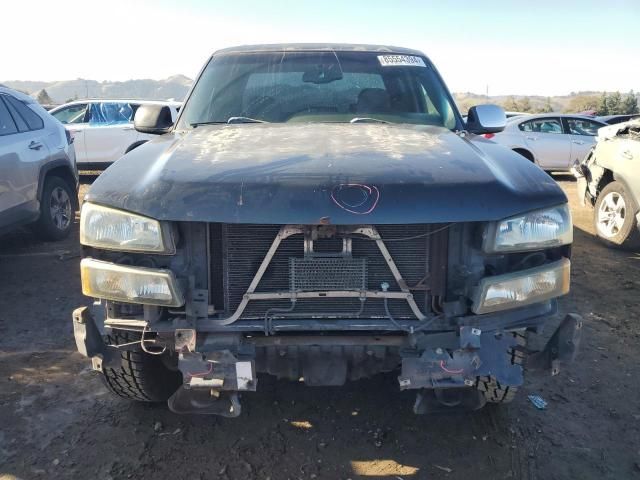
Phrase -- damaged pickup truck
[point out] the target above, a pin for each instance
(609, 181)
(321, 213)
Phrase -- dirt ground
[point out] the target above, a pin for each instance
(58, 421)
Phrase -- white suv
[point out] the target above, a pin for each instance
(103, 129)
(38, 174)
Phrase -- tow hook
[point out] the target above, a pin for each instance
(213, 374)
(562, 347)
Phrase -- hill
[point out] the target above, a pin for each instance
(174, 87)
(575, 102)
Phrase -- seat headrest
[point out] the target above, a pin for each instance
(373, 100)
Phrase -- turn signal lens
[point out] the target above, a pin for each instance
(522, 288)
(129, 284)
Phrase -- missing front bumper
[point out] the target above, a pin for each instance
(216, 367)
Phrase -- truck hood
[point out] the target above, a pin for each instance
(324, 173)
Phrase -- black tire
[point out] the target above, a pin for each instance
(57, 211)
(141, 376)
(625, 235)
(490, 388)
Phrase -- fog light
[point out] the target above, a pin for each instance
(121, 283)
(522, 288)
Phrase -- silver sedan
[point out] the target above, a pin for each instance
(552, 141)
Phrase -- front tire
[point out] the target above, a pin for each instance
(490, 388)
(140, 376)
(56, 210)
(615, 217)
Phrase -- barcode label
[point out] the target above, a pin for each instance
(400, 61)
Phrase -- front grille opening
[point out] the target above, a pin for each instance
(237, 250)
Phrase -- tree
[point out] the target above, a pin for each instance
(614, 104)
(43, 98)
(525, 105)
(630, 103)
(582, 103)
(603, 106)
(510, 105)
(546, 108)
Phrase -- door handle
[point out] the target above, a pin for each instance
(578, 142)
(35, 145)
(127, 128)
(627, 154)
(532, 138)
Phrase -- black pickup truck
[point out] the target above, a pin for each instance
(322, 213)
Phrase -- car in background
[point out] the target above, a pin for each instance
(609, 181)
(38, 174)
(103, 129)
(552, 141)
(613, 119)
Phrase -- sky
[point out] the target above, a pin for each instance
(539, 47)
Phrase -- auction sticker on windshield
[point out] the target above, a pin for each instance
(400, 61)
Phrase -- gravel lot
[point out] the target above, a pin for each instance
(58, 421)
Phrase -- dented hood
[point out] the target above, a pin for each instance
(324, 173)
(612, 131)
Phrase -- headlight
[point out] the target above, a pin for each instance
(122, 283)
(518, 289)
(546, 228)
(112, 229)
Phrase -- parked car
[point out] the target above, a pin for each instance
(320, 212)
(613, 119)
(38, 175)
(609, 181)
(551, 141)
(103, 129)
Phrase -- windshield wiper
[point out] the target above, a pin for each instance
(197, 124)
(230, 120)
(244, 120)
(366, 120)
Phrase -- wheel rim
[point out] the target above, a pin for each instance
(60, 208)
(611, 214)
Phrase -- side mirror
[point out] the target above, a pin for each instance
(485, 119)
(153, 119)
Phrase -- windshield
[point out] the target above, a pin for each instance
(323, 86)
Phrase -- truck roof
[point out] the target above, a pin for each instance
(314, 47)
